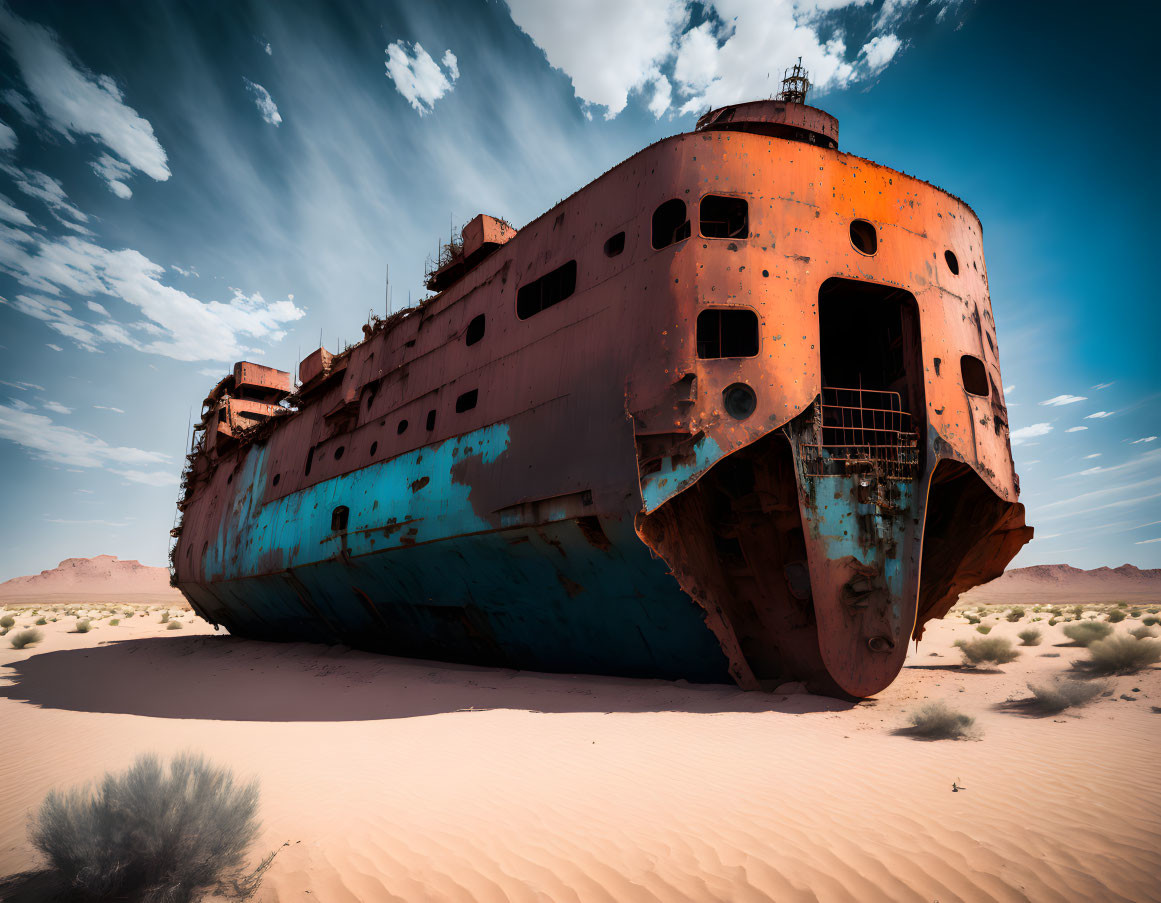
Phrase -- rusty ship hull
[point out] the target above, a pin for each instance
(733, 411)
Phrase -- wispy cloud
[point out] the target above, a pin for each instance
(1099, 415)
(1100, 386)
(264, 102)
(1145, 542)
(1090, 457)
(106, 407)
(1022, 435)
(57, 408)
(88, 523)
(418, 77)
(115, 173)
(1076, 429)
(48, 441)
(75, 102)
(1145, 439)
(1060, 400)
(7, 136)
(45, 188)
(52, 346)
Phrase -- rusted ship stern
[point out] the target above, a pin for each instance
(733, 410)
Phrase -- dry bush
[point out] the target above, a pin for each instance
(1029, 637)
(7, 621)
(993, 650)
(1087, 632)
(1149, 621)
(150, 834)
(938, 721)
(82, 627)
(1052, 622)
(1060, 694)
(23, 638)
(173, 625)
(984, 628)
(1142, 633)
(1115, 616)
(1121, 655)
(164, 616)
(1015, 614)
(972, 619)
(113, 622)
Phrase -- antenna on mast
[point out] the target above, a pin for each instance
(795, 84)
(387, 289)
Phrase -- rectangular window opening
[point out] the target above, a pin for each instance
(727, 333)
(467, 401)
(724, 217)
(549, 289)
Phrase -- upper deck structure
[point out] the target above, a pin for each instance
(732, 410)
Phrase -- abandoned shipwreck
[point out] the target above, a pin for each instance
(731, 411)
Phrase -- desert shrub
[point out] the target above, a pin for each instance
(1115, 616)
(23, 638)
(1149, 621)
(984, 628)
(1153, 610)
(7, 621)
(938, 721)
(1052, 622)
(972, 619)
(1135, 613)
(151, 833)
(113, 622)
(174, 625)
(41, 622)
(1121, 655)
(1077, 610)
(1087, 632)
(82, 627)
(1060, 694)
(164, 617)
(1015, 614)
(1029, 637)
(987, 650)
(1142, 633)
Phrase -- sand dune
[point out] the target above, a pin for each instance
(390, 779)
(1059, 583)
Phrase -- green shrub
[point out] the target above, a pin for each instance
(938, 721)
(113, 622)
(1115, 616)
(984, 628)
(1149, 621)
(1142, 633)
(972, 619)
(1059, 694)
(23, 638)
(41, 622)
(1135, 613)
(1015, 614)
(1052, 622)
(7, 621)
(1029, 637)
(1121, 655)
(150, 834)
(987, 650)
(174, 625)
(1087, 632)
(82, 627)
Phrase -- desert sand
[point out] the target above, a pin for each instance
(394, 779)
(1061, 583)
(84, 581)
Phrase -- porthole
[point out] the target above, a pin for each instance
(430, 420)
(277, 476)
(974, 375)
(467, 401)
(615, 245)
(339, 452)
(402, 428)
(339, 518)
(739, 400)
(952, 262)
(374, 448)
(863, 237)
(475, 330)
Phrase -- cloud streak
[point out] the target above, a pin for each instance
(264, 102)
(418, 77)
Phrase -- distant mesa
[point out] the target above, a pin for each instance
(1062, 582)
(103, 578)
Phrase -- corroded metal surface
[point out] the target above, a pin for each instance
(572, 487)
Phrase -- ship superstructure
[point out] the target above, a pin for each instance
(731, 411)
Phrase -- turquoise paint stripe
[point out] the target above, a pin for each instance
(295, 530)
(662, 485)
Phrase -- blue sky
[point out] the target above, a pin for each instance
(183, 185)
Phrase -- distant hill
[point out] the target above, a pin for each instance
(1062, 582)
(103, 578)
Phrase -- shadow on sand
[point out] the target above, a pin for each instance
(223, 678)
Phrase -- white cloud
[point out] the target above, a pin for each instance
(418, 77)
(697, 59)
(21, 405)
(149, 477)
(892, 12)
(1025, 433)
(105, 407)
(47, 441)
(879, 51)
(174, 323)
(264, 102)
(57, 408)
(662, 96)
(10, 213)
(1008, 390)
(7, 137)
(97, 308)
(1100, 415)
(1100, 386)
(191, 271)
(608, 48)
(76, 102)
(1146, 439)
(269, 50)
(1076, 429)
(53, 347)
(1060, 400)
(45, 188)
(1145, 542)
(1090, 457)
(19, 103)
(114, 172)
(21, 385)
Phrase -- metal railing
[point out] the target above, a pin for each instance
(862, 431)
